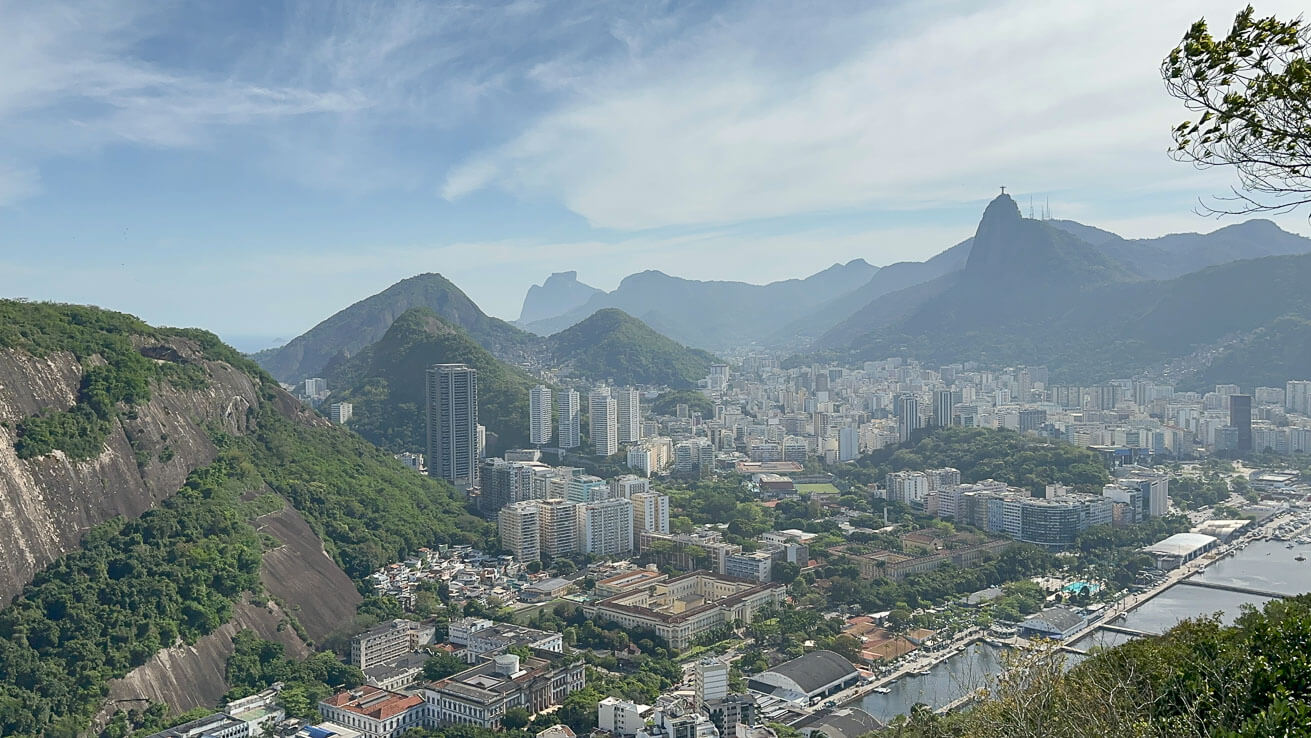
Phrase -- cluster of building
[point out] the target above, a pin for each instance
(559, 511)
(467, 573)
(766, 413)
(1052, 521)
(249, 717)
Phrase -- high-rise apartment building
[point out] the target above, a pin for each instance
(570, 420)
(942, 407)
(628, 415)
(627, 485)
(1297, 397)
(1240, 417)
(341, 412)
(558, 527)
(539, 415)
(502, 482)
(650, 512)
(710, 679)
(605, 528)
(519, 524)
(452, 419)
(602, 422)
(908, 416)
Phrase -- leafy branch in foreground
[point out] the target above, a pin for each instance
(1253, 90)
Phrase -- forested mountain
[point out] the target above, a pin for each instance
(385, 381)
(613, 346)
(350, 330)
(714, 314)
(1033, 293)
(559, 294)
(156, 486)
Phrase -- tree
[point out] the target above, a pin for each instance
(515, 718)
(1253, 91)
(442, 665)
(899, 618)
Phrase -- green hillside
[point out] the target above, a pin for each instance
(135, 586)
(385, 382)
(350, 330)
(613, 346)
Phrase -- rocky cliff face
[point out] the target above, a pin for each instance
(48, 502)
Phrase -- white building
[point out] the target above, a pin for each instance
(570, 420)
(539, 415)
(602, 419)
(605, 528)
(341, 412)
(650, 512)
(628, 415)
(519, 524)
(710, 678)
(375, 713)
(558, 531)
(621, 717)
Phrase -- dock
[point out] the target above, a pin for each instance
(1234, 588)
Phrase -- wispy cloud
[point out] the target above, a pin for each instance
(710, 127)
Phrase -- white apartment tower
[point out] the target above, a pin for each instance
(539, 415)
(628, 414)
(520, 528)
(570, 415)
(602, 421)
(452, 419)
(605, 528)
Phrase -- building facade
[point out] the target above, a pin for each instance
(452, 420)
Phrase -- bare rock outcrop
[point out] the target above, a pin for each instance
(47, 503)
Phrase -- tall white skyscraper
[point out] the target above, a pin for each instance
(539, 415)
(605, 527)
(628, 409)
(602, 422)
(452, 400)
(520, 528)
(570, 416)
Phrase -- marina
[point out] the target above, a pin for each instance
(1249, 572)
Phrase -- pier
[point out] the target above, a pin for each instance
(1234, 588)
(1128, 631)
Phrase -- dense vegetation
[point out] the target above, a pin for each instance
(667, 403)
(87, 333)
(350, 330)
(136, 586)
(613, 346)
(1199, 679)
(133, 588)
(982, 453)
(386, 382)
(256, 663)
(368, 509)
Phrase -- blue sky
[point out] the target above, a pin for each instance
(252, 167)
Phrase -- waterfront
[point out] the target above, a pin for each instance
(1267, 565)
(949, 680)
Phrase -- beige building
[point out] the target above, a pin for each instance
(679, 610)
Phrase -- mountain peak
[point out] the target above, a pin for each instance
(1002, 209)
(560, 293)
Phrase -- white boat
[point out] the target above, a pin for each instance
(882, 690)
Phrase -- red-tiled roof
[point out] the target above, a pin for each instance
(371, 702)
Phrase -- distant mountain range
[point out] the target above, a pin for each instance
(561, 293)
(1087, 302)
(1039, 292)
(714, 315)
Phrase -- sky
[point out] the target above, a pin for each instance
(253, 167)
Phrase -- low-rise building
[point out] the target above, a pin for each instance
(374, 712)
(621, 717)
(1180, 548)
(806, 679)
(679, 610)
(481, 695)
(1054, 623)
